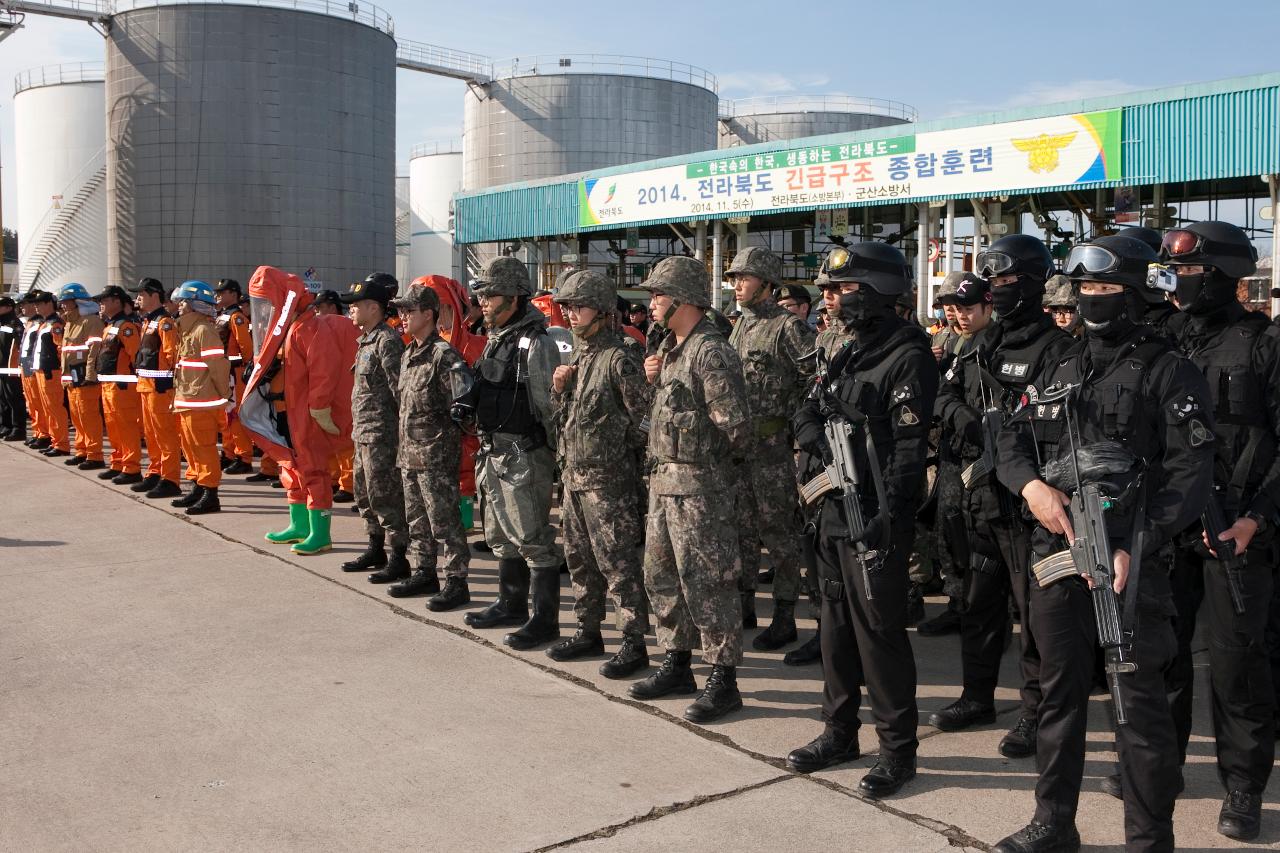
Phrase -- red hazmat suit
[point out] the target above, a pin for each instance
(317, 353)
(454, 295)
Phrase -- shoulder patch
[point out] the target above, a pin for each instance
(902, 394)
(908, 418)
(239, 319)
(126, 331)
(715, 360)
(627, 367)
(1199, 433)
(166, 327)
(1180, 410)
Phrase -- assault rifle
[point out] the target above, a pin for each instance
(1090, 556)
(1232, 563)
(990, 390)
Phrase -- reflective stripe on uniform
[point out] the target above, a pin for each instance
(195, 365)
(155, 374)
(117, 377)
(199, 404)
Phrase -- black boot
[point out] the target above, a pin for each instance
(1020, 742)
(165, 489)
(374, 557)
(396, 569)
(190, 498)
(765, 577)
(1037, 837)
(148, 483)
(810, 652)
(544, 625)
(42, 443)
(674, 676)
(238, 466)
(512, 606)
(781, 630)
(424, 581)
(915, 605)
(962, 714)
(719, 697)
(74, 460)
(455, 594)
(887, 777)
(826, 750)
(123, 479)
(108, 474)
(208, 503)
(632, 656)
(1241, 816)
(748, 608)
(583, 643)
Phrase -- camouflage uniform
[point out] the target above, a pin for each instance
(375, 429)
(599, 415)
(430, 451)
(700, 424)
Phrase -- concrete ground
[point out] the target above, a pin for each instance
(178, 684)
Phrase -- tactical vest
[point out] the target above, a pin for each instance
(502, 387)
(112, 346)
(148, 357)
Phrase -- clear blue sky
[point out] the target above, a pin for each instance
(944, 58)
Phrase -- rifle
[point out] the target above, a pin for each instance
(1090, 557)
(992, 419)
(1215, 524)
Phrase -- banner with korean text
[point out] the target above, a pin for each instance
(1062, 150)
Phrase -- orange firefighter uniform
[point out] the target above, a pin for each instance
(121, 403)
(81, 342)
(233, 326)
(154, 364)
(30, 383)
(201, 393)
(47, 361)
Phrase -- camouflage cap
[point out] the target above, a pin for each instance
(418, 298)
(757, 261)
(1059, 291)
(505, 276)
(588, 288)
(682, 278)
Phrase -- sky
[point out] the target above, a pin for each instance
(943, 58)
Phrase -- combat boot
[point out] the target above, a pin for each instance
(423, 581)
(73, 461)
(92, 465)
(719, 697)
(396, 569)
(208, 503)
(164, 489)
(148, 483)
(1241, 816)
(299, 527)
(748, 608)
(374, 556)
(826, 750)
(631, 657)
(584, 643)
(781, 630)
(43, 443)
(915, 605)
(108, 474)
(544, 625)
(318, 540)
(674, 676)
(238, 466)
(962, 714)
(887, 776)
(1037, 837)
(190, 498)
(123, 479)
(1020, 742)
(455, 594)
(809, 652)
(512, 606)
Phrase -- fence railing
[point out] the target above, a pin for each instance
(816, 103)
(53, 75)
(594, 63)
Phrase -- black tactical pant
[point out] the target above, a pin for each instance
(865, 642)
(1063, 625)
(1243, 696)
(984, 623)
(13, 406)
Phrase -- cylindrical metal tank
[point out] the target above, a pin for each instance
(245, 135)
(774, 118)
(60, 134)
(544, 116)
(435, 174)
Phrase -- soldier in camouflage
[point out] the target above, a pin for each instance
(700, 431)
(602, 402)
(375, 427)
(1060, 300)
(431, 375)
(772, 344)
(515, 467)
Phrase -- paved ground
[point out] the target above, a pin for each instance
(170, 685)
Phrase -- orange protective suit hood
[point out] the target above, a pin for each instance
(454, 295)
(276, 300)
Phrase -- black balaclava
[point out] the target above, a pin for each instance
(1205, 292)
(866, 311)
(1019, 302)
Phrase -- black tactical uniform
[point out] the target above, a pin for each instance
(1135, 390)
(13, 407)
(889, 375)
(992, 373)
(1239, 353)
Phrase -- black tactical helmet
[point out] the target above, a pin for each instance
(384, 279)
(1215, 244)
(1150, 236)
(1111, 260)
(1016, 254)
(879, 265)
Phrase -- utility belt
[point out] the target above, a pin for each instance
(490, 442)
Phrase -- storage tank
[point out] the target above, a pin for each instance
(60, 134)
(246, 135)
(774, 118)
(435, 174)
(544, 116)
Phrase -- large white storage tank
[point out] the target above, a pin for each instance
(435, 174)
(60, 140)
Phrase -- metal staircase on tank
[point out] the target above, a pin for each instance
(55, 222)
(77, 10)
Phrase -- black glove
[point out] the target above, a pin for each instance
(248, 371)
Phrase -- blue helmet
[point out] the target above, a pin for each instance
(198, 291)
(73, 290)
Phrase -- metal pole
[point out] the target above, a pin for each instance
(924, 230)
(700, 240)
(1273, 183)
(948, 261)
(717, 261)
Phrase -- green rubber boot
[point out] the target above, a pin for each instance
(319, 541)
(299, 527)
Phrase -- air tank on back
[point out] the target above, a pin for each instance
(775, 118)
(435, 174)
(60, 173)
(243, 135)
(544, 116)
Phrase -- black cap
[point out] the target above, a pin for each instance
(7, 302)
(153, 285)
(794, 291)
(41, 296)
(329, 297)
(374, 290)
(113, 290)
(227, 284)
(971, 291)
